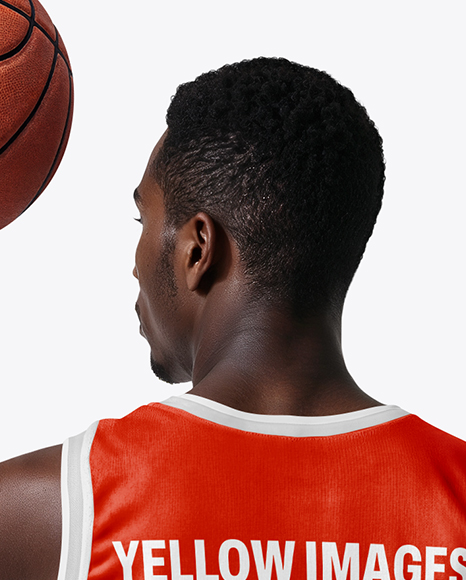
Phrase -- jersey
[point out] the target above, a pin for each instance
(189, 489)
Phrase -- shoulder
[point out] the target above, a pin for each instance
(30, 515)
(147, 422)
(416, 437)
(434, 438)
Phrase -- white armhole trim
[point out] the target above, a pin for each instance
(77, 506)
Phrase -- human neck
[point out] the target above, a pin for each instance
(266, 363)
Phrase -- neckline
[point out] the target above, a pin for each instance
(285, 425)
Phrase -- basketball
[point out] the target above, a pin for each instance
(36, 104)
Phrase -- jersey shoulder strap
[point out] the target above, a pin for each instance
(77, 506)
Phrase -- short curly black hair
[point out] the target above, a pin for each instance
(289, 163)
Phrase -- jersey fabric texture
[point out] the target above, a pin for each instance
(189, 489)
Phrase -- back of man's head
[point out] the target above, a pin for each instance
(289, 163)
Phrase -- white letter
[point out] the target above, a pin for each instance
(126, 559)
(200, 562)
(175, 562)
(431, 564)
(264, 570)
(376, 552)
(331, 561)
(311, 561)
(224, 561)
(150, 561)
(415, 570)
(455, 563)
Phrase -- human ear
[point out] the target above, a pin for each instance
(200, 239)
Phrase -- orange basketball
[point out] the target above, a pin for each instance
(36, 104)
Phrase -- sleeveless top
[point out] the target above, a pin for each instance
(189, 489)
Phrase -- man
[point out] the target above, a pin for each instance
(256, 207)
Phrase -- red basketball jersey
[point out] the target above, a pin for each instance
(190, 489)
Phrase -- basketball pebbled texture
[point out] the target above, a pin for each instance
(36, 104)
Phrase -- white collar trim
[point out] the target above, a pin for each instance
(286, 425)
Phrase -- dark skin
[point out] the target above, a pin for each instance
(30, 516)
(202, 325)
(250, 355)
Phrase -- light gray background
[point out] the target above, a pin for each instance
(69, 343)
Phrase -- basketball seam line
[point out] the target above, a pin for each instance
(42, 187)
(23, 42)
(36, 106)
(32, 23)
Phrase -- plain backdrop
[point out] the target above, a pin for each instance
(70, 348)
